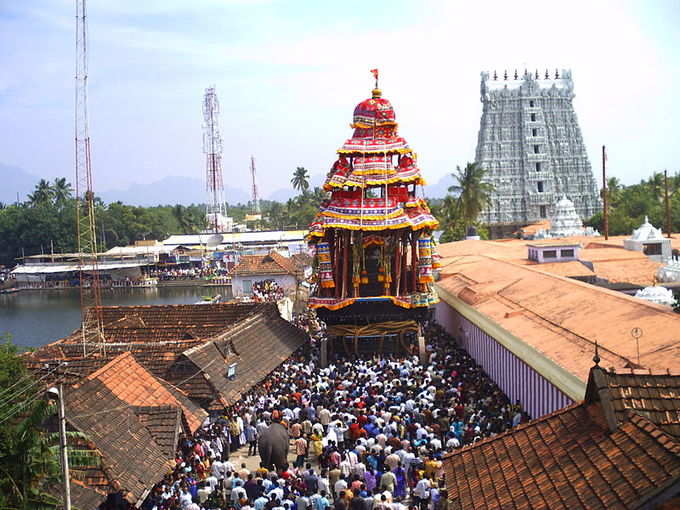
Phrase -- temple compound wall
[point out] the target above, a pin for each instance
(513, 374)
(531, 146)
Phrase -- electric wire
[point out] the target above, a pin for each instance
(7, 398)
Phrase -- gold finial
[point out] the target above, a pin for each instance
(377, 93)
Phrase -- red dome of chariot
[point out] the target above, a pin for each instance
(373, 112)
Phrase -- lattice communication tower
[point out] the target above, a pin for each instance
(92, 329)
(216, 210)
(256, 198)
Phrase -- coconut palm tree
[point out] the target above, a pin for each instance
(61, 190)
(300, 180)
(473, 192)
(43, 193)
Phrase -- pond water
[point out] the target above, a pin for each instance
(37, 317)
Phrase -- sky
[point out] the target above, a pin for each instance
(288, 75)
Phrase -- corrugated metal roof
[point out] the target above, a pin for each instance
(239, 237)
(63, 268)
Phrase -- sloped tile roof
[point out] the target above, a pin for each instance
(656, 397)
(156, 335)
(271, 264)
(133, 384)
(164, 423)
(257, 345)
(131, 459)
(565, 460)
(562, 318)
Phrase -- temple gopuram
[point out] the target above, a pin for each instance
(372, 239)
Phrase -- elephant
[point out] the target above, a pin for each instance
(273, 446)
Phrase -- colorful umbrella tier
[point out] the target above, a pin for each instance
(396, 145)
(372, 171)
(414, 218)
(417, 300)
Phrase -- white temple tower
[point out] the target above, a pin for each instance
(531, 146)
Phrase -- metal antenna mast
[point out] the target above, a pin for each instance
(256, 198)
(216, 210)
(91, 325)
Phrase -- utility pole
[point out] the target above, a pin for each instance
(63, 452)
(667, 204)
(605, 198)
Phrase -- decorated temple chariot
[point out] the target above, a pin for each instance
(373, 237)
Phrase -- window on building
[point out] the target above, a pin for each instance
(538, 167)
(533, 117)
(652, 249)
(247, 287)
(542, 212)
(536, 149)
(567, 253)
(532, 103)
(534, 132)
(231, 371)
(539, 187)
(549, 254)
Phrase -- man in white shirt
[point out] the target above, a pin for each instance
(422, 493)
(340, 486)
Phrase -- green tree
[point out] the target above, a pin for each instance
(61, 191)
(42, 195)
(473, 192)
(27, 460)
(300, 180)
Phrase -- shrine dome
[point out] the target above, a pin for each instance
(375, 111)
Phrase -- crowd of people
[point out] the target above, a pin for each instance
(189, 273)
(267, 291)
(366, 433)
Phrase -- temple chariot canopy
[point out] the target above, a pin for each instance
(373, 235)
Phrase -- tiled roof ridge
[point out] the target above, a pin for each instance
(173, 305)
(664, 439)
(519, 427)
(286, 263)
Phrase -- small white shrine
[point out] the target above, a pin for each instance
(658, 295)
(670, 272)
(565, 222)
(650, 241)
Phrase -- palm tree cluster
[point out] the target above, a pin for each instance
(462, 206)
(57, 193)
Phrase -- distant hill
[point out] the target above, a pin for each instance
(15, 180)
(170, 190)
(440, 188)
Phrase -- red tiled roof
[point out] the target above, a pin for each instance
(656, 397)
(573, 458)
(132, 461)
(271, 264)
(565, 460)
(133, 384)
(562, 318)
